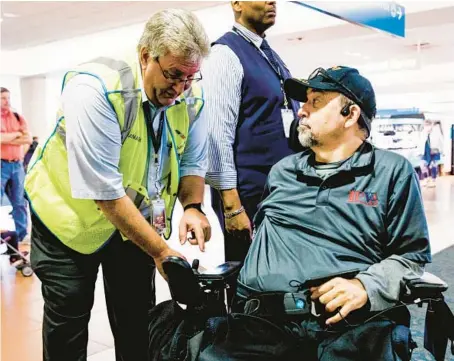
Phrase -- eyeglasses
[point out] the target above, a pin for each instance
(173, 79)
(322, 72)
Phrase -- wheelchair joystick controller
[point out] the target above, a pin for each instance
(195, 266)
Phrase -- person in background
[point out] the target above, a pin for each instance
(131, 138)
(431, 148)
(14, 135)
(249, 120)
(29, 150)
(11, 238)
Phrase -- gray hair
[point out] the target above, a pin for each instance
(175, 31)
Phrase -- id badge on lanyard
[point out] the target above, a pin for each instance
(287, 114)
(158, 207)
(158, 215)
(287, 119)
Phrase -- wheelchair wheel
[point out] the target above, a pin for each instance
(26, 271)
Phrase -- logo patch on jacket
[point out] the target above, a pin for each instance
(180, 134)
(135, 137)
(365, 198)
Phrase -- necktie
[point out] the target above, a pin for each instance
(270, 55)
(266, 48)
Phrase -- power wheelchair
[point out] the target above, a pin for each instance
(178, 333)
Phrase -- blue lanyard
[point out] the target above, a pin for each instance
(287, 103)
(244, 36)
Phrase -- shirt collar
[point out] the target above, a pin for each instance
(363, 157)
(256, 39)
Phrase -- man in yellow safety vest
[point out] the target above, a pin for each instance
(130, 139)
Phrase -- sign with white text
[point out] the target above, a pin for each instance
(385, 16)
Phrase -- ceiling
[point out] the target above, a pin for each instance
(429, 40)
(419, 64)
(30, 23)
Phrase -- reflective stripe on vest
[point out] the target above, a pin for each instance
(129, 96)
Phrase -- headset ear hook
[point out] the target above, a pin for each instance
(346, 110)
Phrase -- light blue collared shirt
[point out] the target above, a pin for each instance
(93, 143)
(222, 78)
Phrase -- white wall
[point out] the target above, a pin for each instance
(34, 100)
(61, 55)
(53, 91)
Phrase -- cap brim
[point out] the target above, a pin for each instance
(297, 88)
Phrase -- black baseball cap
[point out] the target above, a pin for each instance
(341, 79)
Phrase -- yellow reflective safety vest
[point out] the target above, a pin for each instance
(79, 223)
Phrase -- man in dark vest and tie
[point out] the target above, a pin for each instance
(250, 118)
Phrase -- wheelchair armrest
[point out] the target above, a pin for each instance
(183, 284)
(222, 273)
(426, 286)
(190, 287)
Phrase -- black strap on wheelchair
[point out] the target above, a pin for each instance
(439, 328)
(278, 304)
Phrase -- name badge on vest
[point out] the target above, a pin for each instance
(158, 215)
(287, 119)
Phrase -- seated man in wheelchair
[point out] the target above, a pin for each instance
(340, 226)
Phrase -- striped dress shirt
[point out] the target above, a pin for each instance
(222, 78)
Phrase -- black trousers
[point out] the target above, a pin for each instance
(240, 337)
(68, 283)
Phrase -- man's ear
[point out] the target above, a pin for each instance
(144, 56)
(353, 117)
(236, 6)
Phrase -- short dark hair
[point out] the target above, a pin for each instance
(4, 90)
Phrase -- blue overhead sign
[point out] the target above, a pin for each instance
(386, 113)
(385, 16)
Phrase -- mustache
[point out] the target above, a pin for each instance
(302, 126)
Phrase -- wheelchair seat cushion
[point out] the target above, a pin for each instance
(246, 337)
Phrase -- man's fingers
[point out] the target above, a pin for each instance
(331, 295)
(321, 290)
(340, 315)
(249, 228)
(191, 238)
(183, 232)
(335, 303)
(199, 236)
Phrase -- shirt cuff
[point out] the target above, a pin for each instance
(196, 172)
(99, 196)
(222, 180)
(376, 302)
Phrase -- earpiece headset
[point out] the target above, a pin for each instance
(345, 111)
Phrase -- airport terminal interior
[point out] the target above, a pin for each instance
(411, 73)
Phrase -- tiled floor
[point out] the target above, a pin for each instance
(21, 302)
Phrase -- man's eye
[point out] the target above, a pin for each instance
(315, 101)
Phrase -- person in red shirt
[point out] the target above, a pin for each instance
(13, 138)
